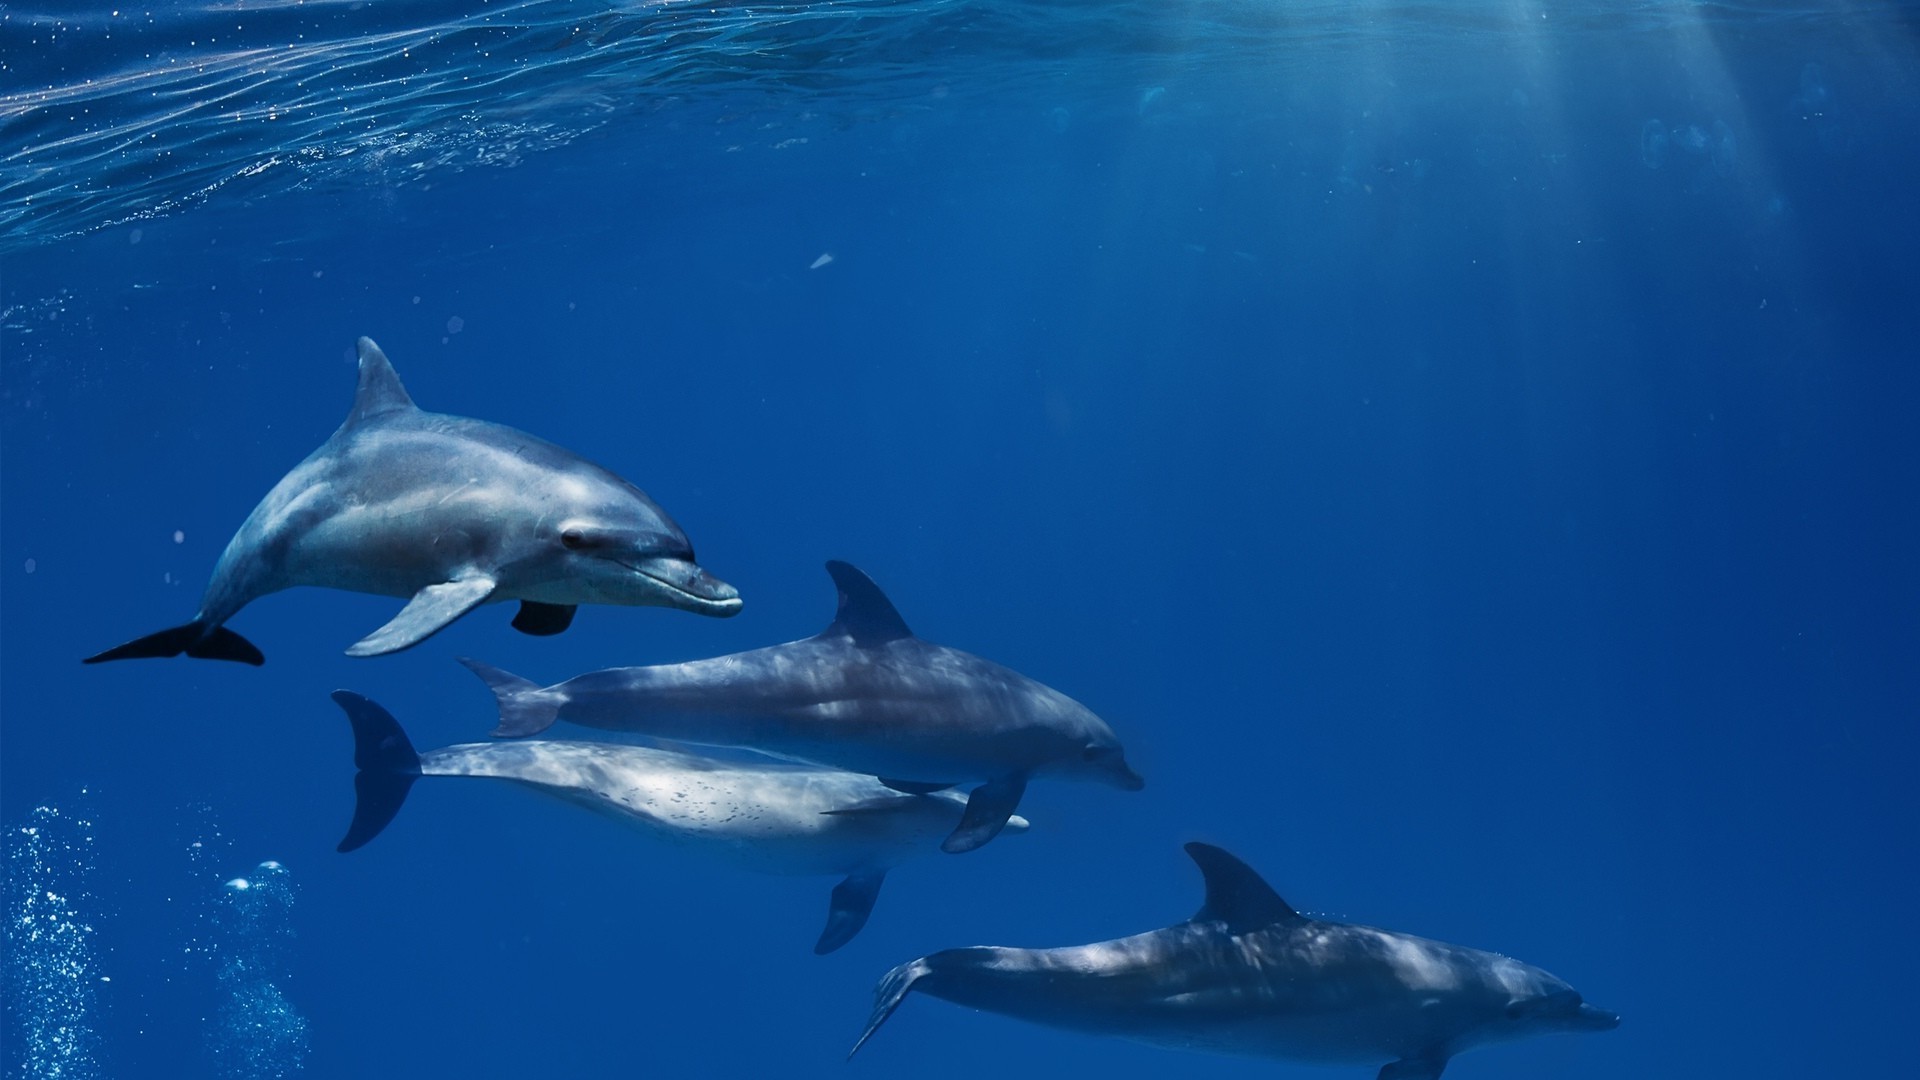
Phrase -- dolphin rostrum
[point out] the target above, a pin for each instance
(1249, 975)
(450, 513)
(863, 695)
(768, 816)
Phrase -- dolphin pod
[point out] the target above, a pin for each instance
(1249, 975)
(449, 513)
(864, 694)
(846, 745)
(767, 816)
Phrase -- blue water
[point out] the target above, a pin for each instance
(1466, 451)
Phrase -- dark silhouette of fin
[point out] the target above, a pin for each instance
(852, 903)
(193, 639)
(387, 763)
(1413, 1069)
(988, 809)
(1237, 896)
(543, 620)
(889, 993)
(428, 613)
(379, 390)
(914, 787)
(865, 614)
(525, 709)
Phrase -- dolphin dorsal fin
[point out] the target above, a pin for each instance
(865, 613)
(1235, 894)
(380, 390)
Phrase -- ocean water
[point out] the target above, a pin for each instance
(1466, 451)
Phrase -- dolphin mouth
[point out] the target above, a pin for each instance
(721, 600)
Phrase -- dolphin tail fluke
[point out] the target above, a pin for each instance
(194, 639)
(525, 709)
(888, 995)
(388, 767)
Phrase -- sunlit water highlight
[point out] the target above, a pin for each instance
(110, 115)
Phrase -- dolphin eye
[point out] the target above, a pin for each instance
(1093, 753)
(574, 539)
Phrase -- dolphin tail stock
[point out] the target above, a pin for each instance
(388, 767)
(525, 709)
(887, 996)
(196, 639)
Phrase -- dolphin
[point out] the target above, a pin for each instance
(771, 817)
(1249, 975)
(450, 513)
(863, 695)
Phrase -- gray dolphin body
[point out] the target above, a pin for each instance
(1249, 975)
(770, 817)
(864, 695)
(450, 513)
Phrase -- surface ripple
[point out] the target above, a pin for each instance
(109, 115)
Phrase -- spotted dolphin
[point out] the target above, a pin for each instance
(1249, 975)
(863, 695)
(771, 817)
(450, 513)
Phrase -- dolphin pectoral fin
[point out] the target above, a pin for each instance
(888, 995)
(192, 639)
(543, 620)
(988, 809)
(847, 913)
(388, 767)
(428, 613)
(913, 787)
(1413, 1069)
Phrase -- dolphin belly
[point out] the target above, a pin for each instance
(774, 818)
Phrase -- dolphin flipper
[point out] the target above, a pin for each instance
(1413, 1069)
(525, 709)
(543, 620)
(388, 767)
(888, 995)
(988, 809)
(852, 903)
(429, 612)
(194, 639)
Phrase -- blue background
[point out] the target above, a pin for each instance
(1477, 502)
